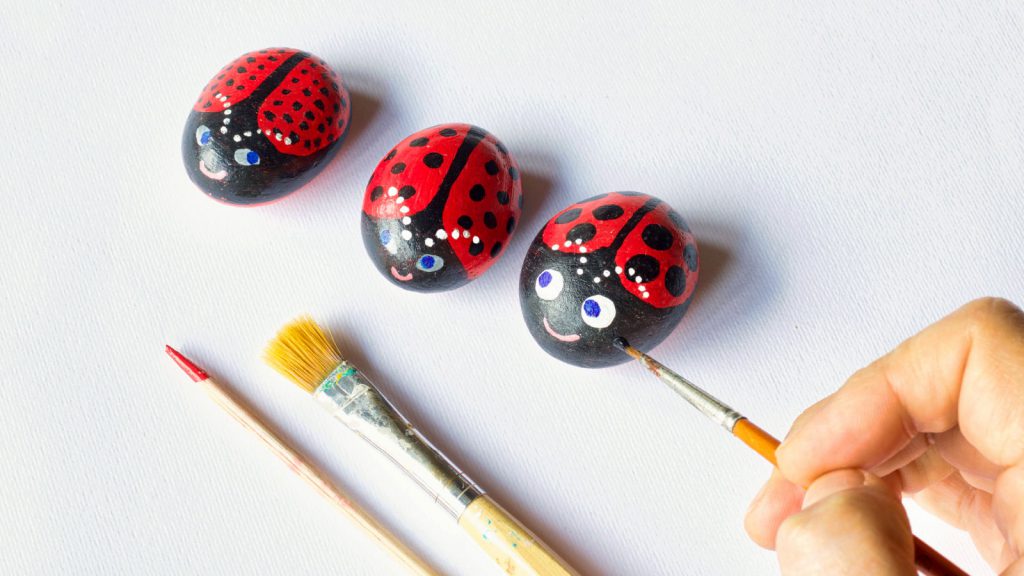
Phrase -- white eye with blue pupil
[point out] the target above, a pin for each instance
(388, 241)
(203, 135)
(247, 157)
(549, 284)
(430, 263)
(598, 311)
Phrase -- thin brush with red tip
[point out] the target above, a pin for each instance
(298, 463)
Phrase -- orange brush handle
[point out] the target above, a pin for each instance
(929, 562)
(762, 442)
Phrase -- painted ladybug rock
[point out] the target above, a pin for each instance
(619, 264)
(264, 126)
(440, 207)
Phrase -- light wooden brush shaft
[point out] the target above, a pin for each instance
(508, 542)
(311, 474)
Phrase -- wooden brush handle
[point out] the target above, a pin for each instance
(508, 542)
(762, 442)
(929, 562)
(305, 469)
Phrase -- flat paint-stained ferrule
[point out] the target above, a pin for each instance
(352, 398)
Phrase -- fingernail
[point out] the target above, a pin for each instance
(832, 483)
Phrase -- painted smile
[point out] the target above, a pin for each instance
(219, 175)
(400, 277)
(556, 335)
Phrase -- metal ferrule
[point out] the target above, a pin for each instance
(354, 400)
(709, 405)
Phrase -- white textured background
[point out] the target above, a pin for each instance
(852, 171)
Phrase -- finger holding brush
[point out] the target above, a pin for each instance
(306, 354)
(927, 560)
(945, 419)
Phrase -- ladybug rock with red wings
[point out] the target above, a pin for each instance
(265, 125)
(441, 207)
(619, 264)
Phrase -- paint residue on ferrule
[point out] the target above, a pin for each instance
(354, 400)
(710, 406)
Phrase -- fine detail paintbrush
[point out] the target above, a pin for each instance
(307, 356)
(298, 463)
(929, 561)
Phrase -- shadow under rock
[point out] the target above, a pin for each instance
(735, 285)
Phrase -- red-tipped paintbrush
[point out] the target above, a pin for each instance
(299, 464)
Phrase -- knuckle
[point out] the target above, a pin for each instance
(992, 315)
(867, 372)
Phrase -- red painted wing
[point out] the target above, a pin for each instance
(307, 111)
(236, 81)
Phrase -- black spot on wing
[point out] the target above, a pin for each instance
(675, 281)
(608, 212)
(583, 232)
(690, 256)
(657, 237)
(644, 266)
(433, 160)
(568, 216)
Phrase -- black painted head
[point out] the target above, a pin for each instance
(265, 126)
(407, 260)
(246, 172)
(618, 264)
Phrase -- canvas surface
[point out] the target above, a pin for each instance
(851, 173)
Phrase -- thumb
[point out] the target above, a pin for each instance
(851, 523)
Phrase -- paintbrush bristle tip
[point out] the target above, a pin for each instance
(303, 352)
(623, 344)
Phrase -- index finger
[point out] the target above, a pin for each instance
(966, 370)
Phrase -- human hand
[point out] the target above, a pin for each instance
(941, 417)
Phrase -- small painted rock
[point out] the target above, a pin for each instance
(264, 126)
(619, 264)
(440, 207)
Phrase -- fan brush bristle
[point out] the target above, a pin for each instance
(303, 352)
